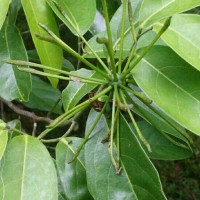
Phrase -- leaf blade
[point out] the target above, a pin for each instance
(182, 37)
(4, 5)
(11, 79)
(38, 12)
(28, 171)
(172, 84)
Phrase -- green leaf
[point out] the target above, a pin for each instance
(138, 177)
(11, 79)
(161, 147)
(4, 5)
(3, 142)
(15, 6)
(152, 11)
(139, 169)
(73, 175)
(76, 90)
(172, 84)
(43, 96)
(27, 171)
(50, 54)
(182, 36)
(79, 14)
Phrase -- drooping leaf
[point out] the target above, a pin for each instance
(27, 171)
(4, 5)
(139, 169)
(80, 13)
(172, 84)
(183, 37)
(152, 11)
(11, 79)
(3, 142)
(161, 147)
(138, 177)
(72, 175)
(50, 54)
(76, 90)
(43, 96)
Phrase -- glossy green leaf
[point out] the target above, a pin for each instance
(27, 171)
(3, 142)
(80, 13)
(172, 84)
(4, 5)
(152, 11)
(161, 147)
(73, 175)
(138, 177)
(11, 79)
(139, 169)
(50, 54)
(183, 37)
(43, 96)
(76, 90)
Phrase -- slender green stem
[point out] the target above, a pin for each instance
(16, 130)
(110, 41)
(33, 71)
(91, 129)
(72, 52)
(146, 50)
(137, 94)
(112, 129)
(59, 120)
(130, 16)
(60, 138)
(118, 137)
(124, 3)
(25, 63)
(141, 137)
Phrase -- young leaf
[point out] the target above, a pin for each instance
(27, 171)
(80, 13)
(43, 96)
(4, 5)
(172, 84)
(76, 90)
(183, 37)
(39, 12)
(11, 79)
(152, 11)
(3, 142)
(138, 177)
(72, 175)
(161, 147)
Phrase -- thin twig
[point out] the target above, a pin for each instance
(26, 113)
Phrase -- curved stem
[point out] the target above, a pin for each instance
(74, 53)
(146, 50)
(141, 137)
(110, 41)
(124, 3)
(36, 65)
(91, 129)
